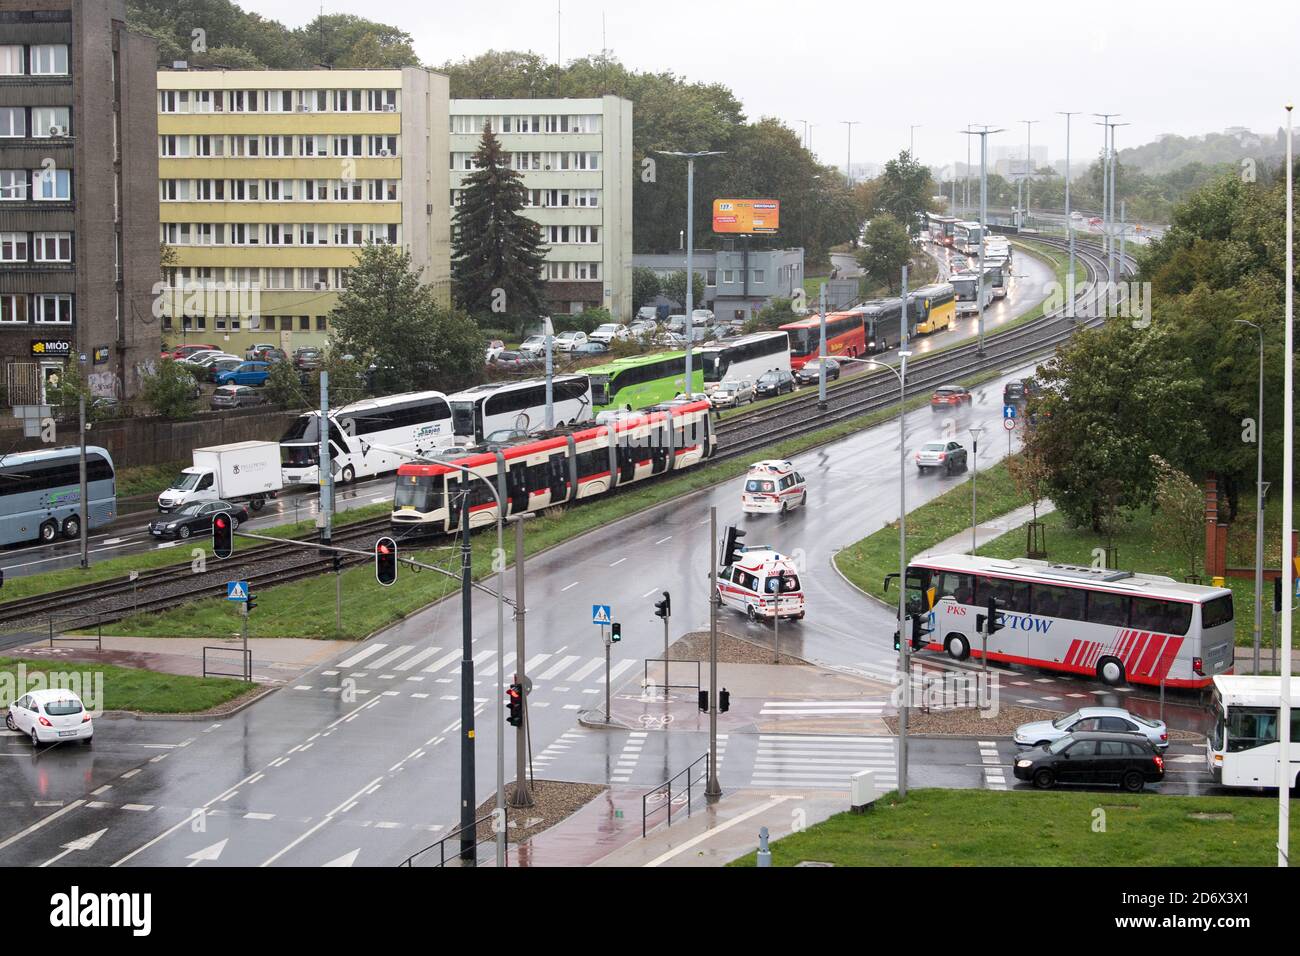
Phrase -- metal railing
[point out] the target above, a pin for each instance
(662, 796)
(245, 662)
(71, 622)
(441, 845)
(645, 673)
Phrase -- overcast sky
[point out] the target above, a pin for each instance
(1185, 67)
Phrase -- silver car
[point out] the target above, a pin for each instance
(732, 394)
(1104, 719)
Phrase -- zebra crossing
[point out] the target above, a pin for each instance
(822, 761)
(384, 662)
(843, 707)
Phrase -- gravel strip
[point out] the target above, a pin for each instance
(694, 646)
(553, 801)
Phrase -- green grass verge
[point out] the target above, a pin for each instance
(866, 562)
(306, 608)
(984, 828)
(1138, 550)
(48, 581)
(125, 688)
(147, 479)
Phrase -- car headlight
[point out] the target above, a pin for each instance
(1024, 763)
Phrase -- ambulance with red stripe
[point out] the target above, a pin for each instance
(763, 583)
(1116, 626)
(772, 487)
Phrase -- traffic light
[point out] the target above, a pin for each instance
(898, 643)
(992, 619)
(664, 608)
(731, 546)
(615, 633)
(724, 701)
(704, 701)
(386, 561)
(251, 602)
(223, 534)
(515, 704)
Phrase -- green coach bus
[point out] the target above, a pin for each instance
(641, 380)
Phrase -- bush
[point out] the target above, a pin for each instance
(169, 391)
(585, 321)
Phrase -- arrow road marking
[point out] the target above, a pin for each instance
(82, 843)
(347, 859)
(346, 804)
(207, 854)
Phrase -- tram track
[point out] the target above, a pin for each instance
(162, 589)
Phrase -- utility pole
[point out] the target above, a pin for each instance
(523, 795)
(904, 643)
(983, 134)
(965, 203)
(1288, 502)
(713, 789)
(325, 484)
(821, 351)
(549, 330)
(975, 470)
(1069, 223)
(1029, 159)
(1261, 489)
(85, 491)
(1112, 265)
(1105, 185)
(467, 802)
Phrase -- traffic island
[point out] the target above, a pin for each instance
(553, 802)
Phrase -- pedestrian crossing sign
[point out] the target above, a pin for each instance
(600, 614)
(236, 590)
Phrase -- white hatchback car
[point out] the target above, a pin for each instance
(773, 487)
(51, 716)
(568, 341)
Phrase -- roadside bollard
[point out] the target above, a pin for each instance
(764, 854)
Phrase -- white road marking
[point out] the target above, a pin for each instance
(416, 659)
(442, 662)
(362, 655)
(346, 804)
(390, 656)
(563, 664)
(662, 540)
(40, 823)
(618, 562)
(665, 857)
(567, 586)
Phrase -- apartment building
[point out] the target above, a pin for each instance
(738, 282)
(575, 157)
(270, 181)
(78, 200)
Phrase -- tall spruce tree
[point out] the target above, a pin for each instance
(495, 247)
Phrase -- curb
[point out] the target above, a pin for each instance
(596, 721)
(212, 714)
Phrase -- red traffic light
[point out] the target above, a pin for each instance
(223, 535)
(386, 561)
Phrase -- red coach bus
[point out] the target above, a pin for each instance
(844, 336)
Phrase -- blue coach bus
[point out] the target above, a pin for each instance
(40, 494)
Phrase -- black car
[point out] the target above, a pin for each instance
(1125, 760)
(810, 374)
(195, 518)
(1017, 393)
(776, 382)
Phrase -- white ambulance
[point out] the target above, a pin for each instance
(763, 583)
(772, 487)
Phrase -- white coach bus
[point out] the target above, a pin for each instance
(1243, 747)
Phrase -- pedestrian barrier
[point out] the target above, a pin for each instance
(668, 664)
(441, 845)
(245, 662)
(662, 796)
(73, 622)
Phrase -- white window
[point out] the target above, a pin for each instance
(279, 234)
(760, 276)
(210, 189)
(210, 234)
(54, 309)
(382, 101)
(176, 233)
(51, 184)
(13, 184)
(278, 279)
(347, 101)
(53, 246)
(383, 233)
(50, 60)
(314, 279)
(347, 190)
(314, 234)
(13, 121)
(379, 190)
(174, 190)
(587, 270)
(383, 146)
(174, 101)
(279, 101)
(348, 234)
(318, 189)
(209, 145)
(175, 146)
(729, 275)
(279, 146)
(13, 309)
(11, 60)
(203, 100)
(244, 234)
(314, 146)
(50, 121)
(347, 145)
(13, 247)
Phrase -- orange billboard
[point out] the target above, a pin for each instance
(747, 216)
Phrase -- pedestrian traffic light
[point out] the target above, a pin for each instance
(724, 701)
(251, 602)
(386, 561)
(615, 633)
(704, 701)
(731, 546)
(223, 534)
(515, 705)
(898, 643)
(664, 608)
(992, 619)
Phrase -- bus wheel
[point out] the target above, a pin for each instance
(1110, 672)
(958, 647)
(1044, 779)
(348, 475)
(49, 531)
(72, 527)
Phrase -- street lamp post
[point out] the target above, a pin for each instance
(1069, 223)
(848, 163)
(975, 432)
(1029, 158)
(911, 139)
(983, 134)
(1260, 490)
(467, 665)
(690, 250)
(1288, 495)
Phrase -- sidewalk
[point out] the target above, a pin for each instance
(275, 660)
(988, 530)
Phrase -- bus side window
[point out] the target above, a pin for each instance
(1108, 609)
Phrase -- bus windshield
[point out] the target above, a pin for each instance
(305, 428)
(802, 341)
(299, 456)
(965, 289)
(463, 418)
(714, 367)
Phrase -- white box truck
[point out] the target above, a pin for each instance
(245, 471)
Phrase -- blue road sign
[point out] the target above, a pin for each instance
(600, 614)
(1008, 411)
(236, 590)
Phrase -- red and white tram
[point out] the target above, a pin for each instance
(564, 465)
